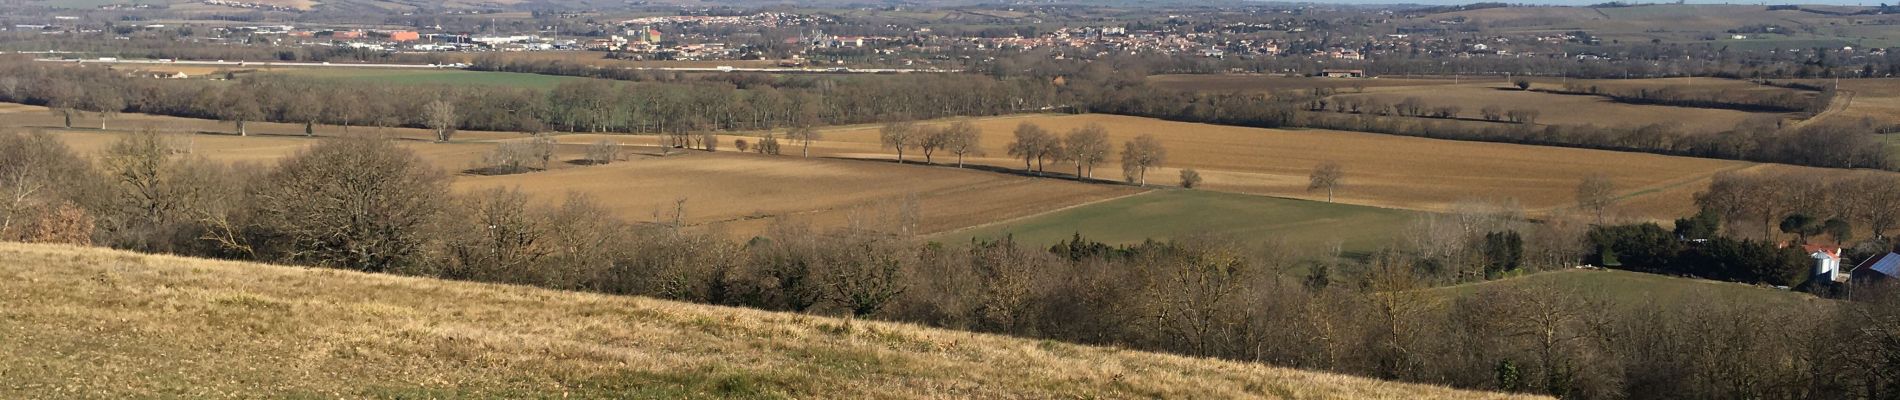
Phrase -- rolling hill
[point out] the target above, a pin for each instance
(87, 322)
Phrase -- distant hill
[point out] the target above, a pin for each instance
(87, 322)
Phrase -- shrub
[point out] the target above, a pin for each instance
(603, 152)
(356, 203)
(1190, 178)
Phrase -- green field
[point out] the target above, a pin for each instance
(430, 77)
(1177, 213)
(1636, 289)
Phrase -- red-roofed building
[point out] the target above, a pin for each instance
(1827, 263)
(404, 36)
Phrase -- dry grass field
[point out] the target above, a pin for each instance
(743, 193)
(736, 193)
(1382, 170)
(95, 323)
(1876, 99)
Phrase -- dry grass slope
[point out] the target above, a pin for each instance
(85, 322)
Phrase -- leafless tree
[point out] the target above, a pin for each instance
(239, 106)
(964, 140)
(804, 134)
(1086, 147)
(1143, 153)
(356, 203)
(440, 116)
(1329, 176)
(931, 139)
(1030, 140)
(1596, 193)
(898, 136)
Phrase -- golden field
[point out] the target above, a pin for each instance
(737, 193)
(1382, 170)
(95, 323)
(743, 193)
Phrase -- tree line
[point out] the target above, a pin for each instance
(582, 106)
(1832, 144)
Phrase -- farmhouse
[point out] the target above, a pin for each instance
(1343, 73)
(1828, 279)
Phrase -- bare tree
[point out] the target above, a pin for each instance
(1086, 147)
(898, 136)
(239, 107)
(1492, 113)
(440, 116)
(1030, 140)
(65, 100)
(964, 140)
(929, 140)
(305, 110)
(356, 203)
(1328, 175)
(804, 134)
(107, 103)
(1143, 153)
(1596, 194)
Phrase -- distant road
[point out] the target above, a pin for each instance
(271, 64)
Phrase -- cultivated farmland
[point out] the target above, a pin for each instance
(743, 193)
(1382, 170)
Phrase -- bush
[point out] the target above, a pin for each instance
(1190, 178)
(603, 152)
(355, 203)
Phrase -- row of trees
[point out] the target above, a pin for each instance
(1764, 204)
(582, 105)
(1085, 147)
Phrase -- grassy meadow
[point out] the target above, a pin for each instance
(96, 323)
(1167, 214)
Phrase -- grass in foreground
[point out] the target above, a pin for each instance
(1179, 213)
(86, 322)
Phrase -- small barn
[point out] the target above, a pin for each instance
(1877, 269)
